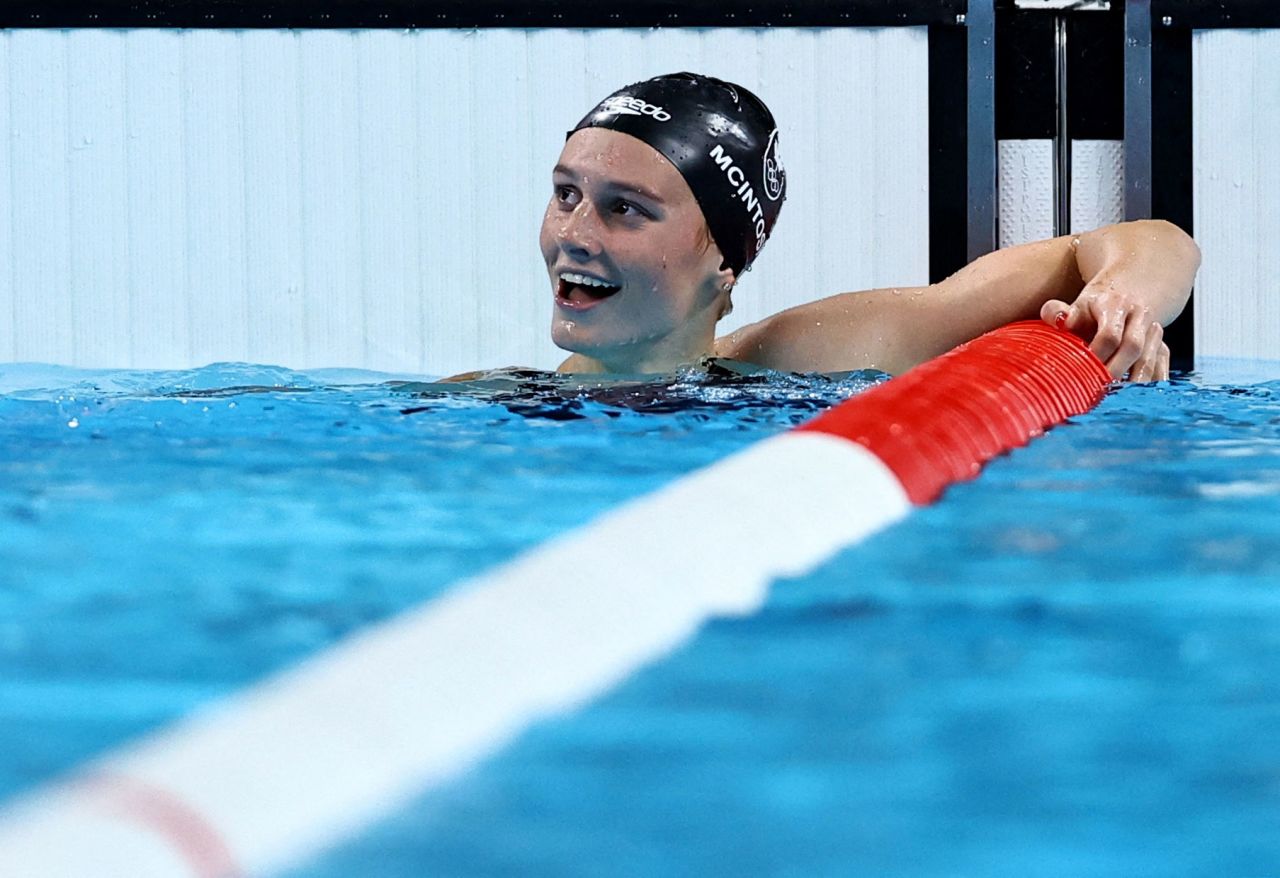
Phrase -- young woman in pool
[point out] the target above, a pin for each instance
(667, 190)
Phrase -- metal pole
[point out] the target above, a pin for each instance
(980, 20)
(1062, 134)
(1137, 109)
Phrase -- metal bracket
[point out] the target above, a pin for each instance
(1065, 5)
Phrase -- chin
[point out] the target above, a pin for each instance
(569, 339)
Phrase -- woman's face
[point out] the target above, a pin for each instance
(636, 285)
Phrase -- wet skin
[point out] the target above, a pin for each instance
(621, 213)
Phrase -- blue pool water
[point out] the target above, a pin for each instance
(1070, 666)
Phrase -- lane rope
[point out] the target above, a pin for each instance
(291, 766)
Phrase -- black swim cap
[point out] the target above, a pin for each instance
(723, 141)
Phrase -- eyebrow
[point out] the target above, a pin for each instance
(614, 185)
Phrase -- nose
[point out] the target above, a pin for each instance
(579, 232)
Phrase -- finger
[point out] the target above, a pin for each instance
(1055, 312)
(1110, 322)
(1162, 364)
(1133, 341)
(1074, 318)
(1143, 369)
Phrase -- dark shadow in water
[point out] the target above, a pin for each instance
(714, 385)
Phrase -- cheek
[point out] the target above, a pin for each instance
(691, 265)
(670, 259)
(547, 236)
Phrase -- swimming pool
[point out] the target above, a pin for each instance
(1066, 667)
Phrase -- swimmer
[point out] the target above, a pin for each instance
(666, 192)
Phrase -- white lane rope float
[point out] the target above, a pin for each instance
(273, 775)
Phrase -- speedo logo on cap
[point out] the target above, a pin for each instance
(744, 189)
(774, 174)
(625, 105)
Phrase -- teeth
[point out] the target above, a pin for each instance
(584, 280)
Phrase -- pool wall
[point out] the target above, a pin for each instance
(1237, 192)
(177, 196)
(371, 198)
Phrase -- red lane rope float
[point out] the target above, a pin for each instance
(939, 422)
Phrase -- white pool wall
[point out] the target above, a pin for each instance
(1236, 107)
(371, 198)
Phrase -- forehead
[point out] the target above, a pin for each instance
(609, 157)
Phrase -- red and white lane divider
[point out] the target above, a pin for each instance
(293, 765)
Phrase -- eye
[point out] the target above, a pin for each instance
(566, 195)
(622, 207)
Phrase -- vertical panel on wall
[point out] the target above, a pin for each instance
(8, 299)
(98, 243)
(901, 171)
(1025, 191)
(677, 51)
(1237, 212)
(790, 93)
(330, 220)
(43, 313)
(160, 266)
(270, 129)
(388, 175)
(501, 194)
(843, 206)
(446, 163)
(213, 138)
(1097, 183)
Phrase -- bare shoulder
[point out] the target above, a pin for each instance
(839, 333)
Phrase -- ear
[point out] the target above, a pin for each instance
(726, 278)
(725, 281)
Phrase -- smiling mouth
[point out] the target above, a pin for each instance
(581, 289)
